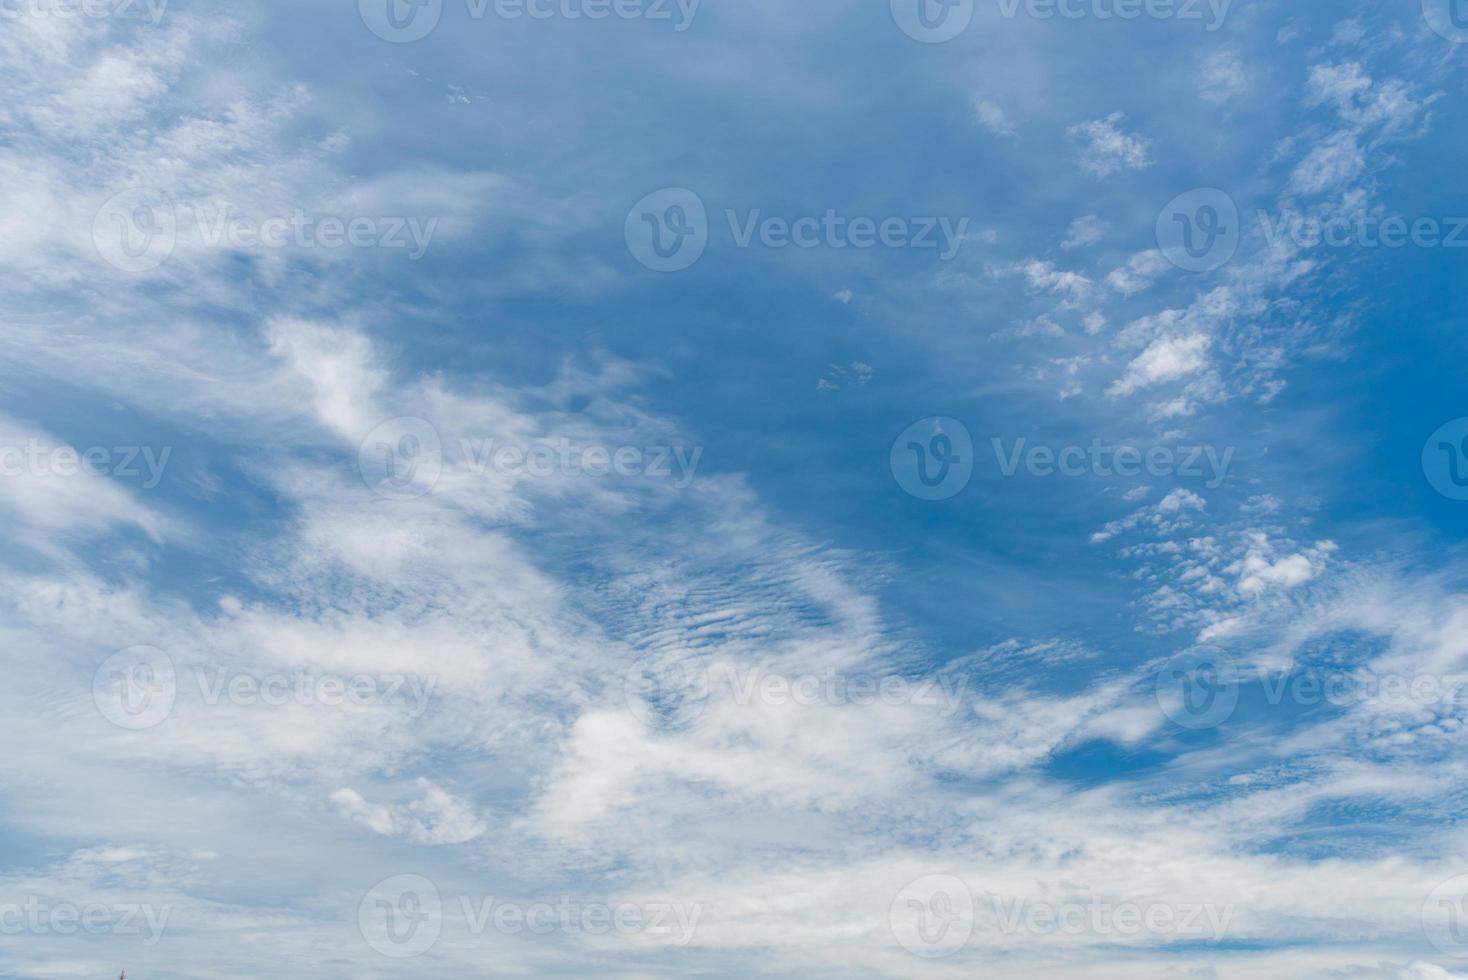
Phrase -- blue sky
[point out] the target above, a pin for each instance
(733, 489)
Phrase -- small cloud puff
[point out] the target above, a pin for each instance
(1139, 273)
(1107, 149)
(1164, 360)
(435, 818)
(993, 118)
(1083, 231)
(1222, 77)
(855, 373)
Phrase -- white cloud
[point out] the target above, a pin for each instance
(1329, 166)
(796, 825)
(50, 492)
(993, 117)
(437, 817)
(1086, 230)
(1164, 360)
(1428, 971)
(1043, 276)
(1222, 77)
(1261, 570)
(1139, 273)
(1107, 149)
